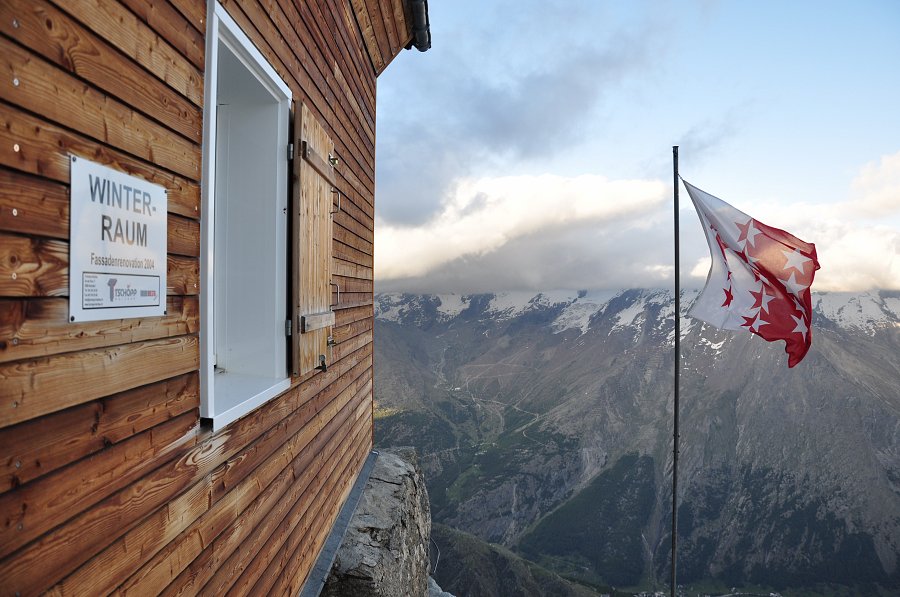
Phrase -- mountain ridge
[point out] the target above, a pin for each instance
(519, 402)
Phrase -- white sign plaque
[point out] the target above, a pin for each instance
(117, 249)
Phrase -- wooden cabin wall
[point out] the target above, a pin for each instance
(110, 484)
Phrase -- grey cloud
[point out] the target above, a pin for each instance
(454, 120)
(610, 256)
(620, 253)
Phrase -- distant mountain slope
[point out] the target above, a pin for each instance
(471, 567)
(522, 404)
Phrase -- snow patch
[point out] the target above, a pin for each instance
(868, 311)
(577, 315)
(452, 304)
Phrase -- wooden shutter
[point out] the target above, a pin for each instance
(313, 182)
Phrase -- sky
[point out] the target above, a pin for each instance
(531, 147)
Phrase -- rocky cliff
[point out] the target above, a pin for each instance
(385, 549)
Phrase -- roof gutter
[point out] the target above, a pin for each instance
(421, 28)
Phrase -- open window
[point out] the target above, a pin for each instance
(244, 227)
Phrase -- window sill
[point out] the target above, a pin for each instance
(237, 394)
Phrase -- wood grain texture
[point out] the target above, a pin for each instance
(276, 38)
(45, 89)
(352, 270)
(40, 446)
(159, 549)
(37, 267)
(382, 38)
(41, 206)
(29, 389)
(111, 21)
(335, 20)
(170, 24)
(36, 507)
(44, 562)
(37, 328)
(85, 406)
(194, 11)
(364, 22)
(324, 482)
(35, 146)
(32, 266)
(260, 500)
(286, 570)
(58, 38)
(311, 243)
(191, 462)
(42, 209)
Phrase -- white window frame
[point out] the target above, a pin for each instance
(222, 28)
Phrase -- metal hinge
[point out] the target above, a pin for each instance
(290, 151)
(288, 327)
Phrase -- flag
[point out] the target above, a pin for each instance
(759, 279)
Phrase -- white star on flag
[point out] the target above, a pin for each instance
(760, 269)
(800, 327)
(758, 323)
(796, 260)
(792, 285)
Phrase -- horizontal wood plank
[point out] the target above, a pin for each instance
(335, 21)
(33, 145)
(33, 266)
(273, 559)
(171, 25)
(34, 508)
(347, 253)
(120, 27)
(39, 267)
(30, 389)
(58, 38)
(276, 44)
(352, 344)
(350, 298)
(199, 519)
(182, 236)
(194, 11)
(39, 207)
(354, 314)
(381, 35)
(44, 562)
(324, 482)
(40, 446)
(339, 267)
(316, 321)
(32, 205)
(297, 567)
(227, 523)
(326, 403)
(353, 285)
(37, 328)
(346, 332)
(45, 89)
(364, 23)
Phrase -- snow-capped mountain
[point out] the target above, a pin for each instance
(536, 410)
(867, 311)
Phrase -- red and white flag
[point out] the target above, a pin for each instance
(759, 279)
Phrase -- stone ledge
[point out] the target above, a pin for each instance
(385, 549)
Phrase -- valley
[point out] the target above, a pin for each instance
(544, 426)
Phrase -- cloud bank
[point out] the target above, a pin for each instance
(538, 232)
(857, 241)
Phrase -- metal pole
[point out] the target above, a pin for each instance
(677, 375)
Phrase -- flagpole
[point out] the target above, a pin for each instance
(677, 375)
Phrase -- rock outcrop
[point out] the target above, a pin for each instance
(385, 550)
